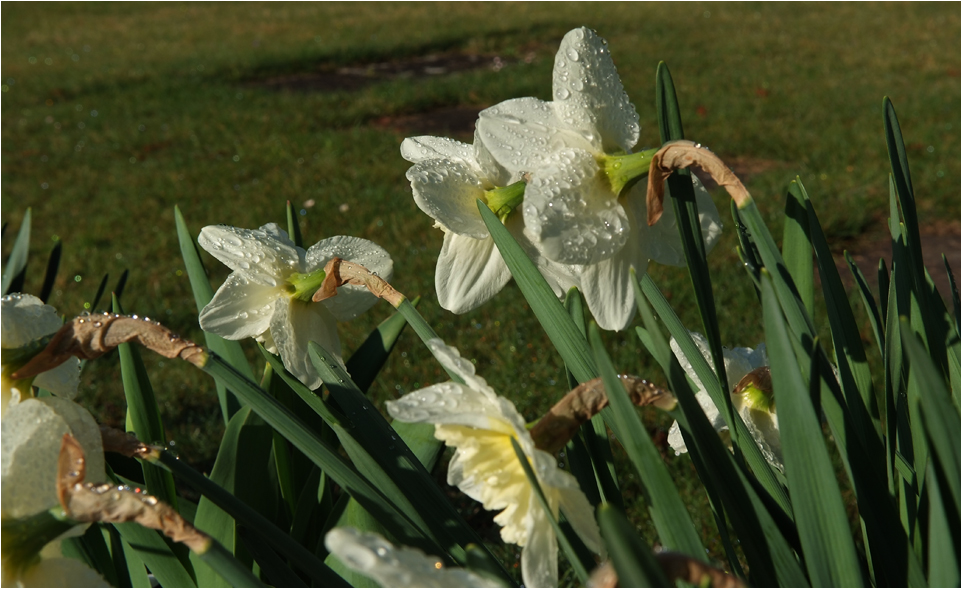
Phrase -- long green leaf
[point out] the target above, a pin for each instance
(403, 478)
(753, 455)
(16, 271)
(247, 516)
(868, 300)
(327, 458)
(561, 330)
(671, 519)
(820, 516)
(943, 547)
(203, 293)
(153, 550)
(143, 416)
(941, 418)
(633, 560)
(240, 468)
(686, 212)
(797, 245)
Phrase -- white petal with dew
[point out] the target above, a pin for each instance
(447, 190)
(452, 403)
(664, 239)
(521, 133)
(295, 324)
(589, 96)
(560, 277)
(63, 381)
(570, 210)
(31, 437)
(259, 255)
(373, 556)
(469, 272)
(26, 318)
(607, 285)
(351, 300)
(539, 558)
(240, 308)
(491, 171)
(425, 148)
(451, 359)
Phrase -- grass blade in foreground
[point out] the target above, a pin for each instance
(247, 516)
(328, 459)
(634, 562)
(143, 416)
(203, 293)
(561, 330)
(671, 518)
(820, 516)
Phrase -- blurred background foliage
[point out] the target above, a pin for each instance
(114, 113)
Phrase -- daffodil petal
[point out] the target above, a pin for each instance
(570, 210)
(664, 238)
(240, 308)
(607, 285)
(32, 433)
(295, 324)
(560, 277)
(60, 572)
(469, 272)
(589, 96)
(63, 381)
(580, 514)
(425, 148)
(491, 170)
(351, 300)
(257, 254)
(274, 230)
(452, 403)
(523, 132)
(26, 318)
(391, 566)
(539, 557)
(447, 190)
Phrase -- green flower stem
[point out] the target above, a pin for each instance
(504, 200)
(303, 286)
(624, 170)
(247, 516)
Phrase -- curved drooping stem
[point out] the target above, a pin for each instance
(559, 425)
(682, 154)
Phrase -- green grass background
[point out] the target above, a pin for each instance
(114, 113)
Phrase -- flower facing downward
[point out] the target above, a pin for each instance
(373, 556)
(26, 318)
(268, 295)
(480, 425)
(448, 178)
(751, 397)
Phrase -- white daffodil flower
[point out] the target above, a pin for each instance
(480, 425)
(447, 179)
(26, 318)
(373, 556)
(756, 407)
(268, 296)
(577, 152)
(32, 431)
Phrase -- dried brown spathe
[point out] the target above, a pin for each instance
(91, 336)
(682, 154)
(559, 425)
(340, 272)
(106, 502)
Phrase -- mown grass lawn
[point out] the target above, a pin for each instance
(112, 114)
